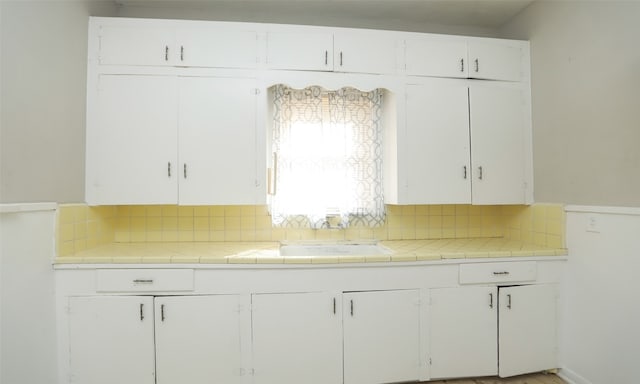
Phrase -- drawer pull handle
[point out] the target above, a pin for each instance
(351, 308)
(509, 301)
(143, 281)
(141, 312)
(491, 300)
(502, 273)
(162, 312)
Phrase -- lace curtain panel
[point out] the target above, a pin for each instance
(328, 146)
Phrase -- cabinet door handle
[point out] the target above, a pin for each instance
(334, 305)
(181, 53)
(141, 312)
(169, 169)
(351, 308)
(461, 65)
(509, 301)
(326, 57)
(162, 312)
(491, 300)
(184, 170)
(480, 173)
(166, 53)
(341, 59)
(464, 169)
(477, 65)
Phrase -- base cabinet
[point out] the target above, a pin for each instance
(162, 340)
(480, 331)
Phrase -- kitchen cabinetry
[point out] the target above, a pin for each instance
(170, 45)
(478, 331)
(464, 58)
(196, 339)
(325, 51)
(170, 139)
(465, 144)
(297, 338)
(381, 336)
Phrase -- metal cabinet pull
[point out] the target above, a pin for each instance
(181, 53)
(480, 173)
(184, 170)
(166, 53)
(464, 168)
(509, 301)
(169, 169)
(162, 312)
(143, 281)
(334, 305)
(477, 65)
(491, 300)
(351, 308)
(326, 57)
(461, 65)
(141, 312)
(498, 273)
(341, 59)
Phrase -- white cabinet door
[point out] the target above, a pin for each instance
(131, 141)
(217, 141)
(310, 51)
(297, 338)
(381, 336)
(137, 45)
(111, 340)
(436, 57)
(528, 318)
(463, 332)
(438, 144)
(497, 144)
(365, 53)
(198, 339)
(209, 46)
(495, 60)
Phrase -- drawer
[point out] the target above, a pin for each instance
(508, 272)
(144, 280)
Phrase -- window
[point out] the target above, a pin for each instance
(327, 148)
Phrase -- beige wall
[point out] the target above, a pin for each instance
(586, 104)
(42, 114)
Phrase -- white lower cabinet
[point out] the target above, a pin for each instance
(297, 338)
(481, 331)
(196, 340)
(381, 336)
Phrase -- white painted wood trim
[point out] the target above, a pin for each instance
(27, 207)
(633, 211)
(571, 377)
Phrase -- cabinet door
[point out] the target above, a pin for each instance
(217, 47)
(300, 51)
(218, 150)
(365, 53)
(111, 340)
(440, 58)
(438, 144)
(528, 321)
(297, 338)
(498, 122)
(137, 45)
(131, 141)
(381, 336)
(463, 332)
(198, 339)
(495, 61)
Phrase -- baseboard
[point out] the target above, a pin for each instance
(571, 377)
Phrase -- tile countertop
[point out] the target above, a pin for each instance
(268, 252)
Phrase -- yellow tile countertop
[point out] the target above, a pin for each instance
(268, 252)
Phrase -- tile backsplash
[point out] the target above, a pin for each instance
(81, 227)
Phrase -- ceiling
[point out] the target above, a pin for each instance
(474, 13)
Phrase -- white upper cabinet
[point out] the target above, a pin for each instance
(473, 58)
(360, 52)
(304, 51)
(171, 45)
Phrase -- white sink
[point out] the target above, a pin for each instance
(333, 249)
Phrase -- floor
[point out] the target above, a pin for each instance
(537, 378)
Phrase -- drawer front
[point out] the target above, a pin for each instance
(482, 273)
(144, 280)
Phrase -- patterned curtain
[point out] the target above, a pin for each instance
(328, 151)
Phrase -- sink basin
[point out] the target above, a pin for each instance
(333, 249)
